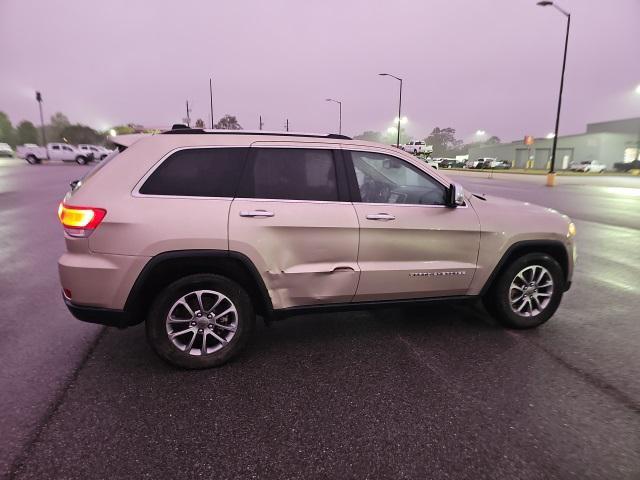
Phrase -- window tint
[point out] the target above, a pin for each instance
(201, 172)
(55, 147)
(292, 174)
(386, 179)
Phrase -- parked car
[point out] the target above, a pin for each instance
(478, 162)
(417, 147)
(96, 152)
(451, 163)
(496, 164)
(299, 227)
(626, 166)
(53, 151)
(432, 162)
(591, 166)
(6, 150)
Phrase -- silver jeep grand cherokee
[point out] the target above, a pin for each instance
(195, 232)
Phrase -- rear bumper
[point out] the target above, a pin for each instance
(102, 316)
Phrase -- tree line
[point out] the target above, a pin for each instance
(59, 129)
(443, 140)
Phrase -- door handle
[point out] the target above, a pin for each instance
(256, 213)
(343, 268)
(385, 217)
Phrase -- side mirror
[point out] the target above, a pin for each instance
(455, 195)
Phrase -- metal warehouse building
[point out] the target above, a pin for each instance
(606, 142)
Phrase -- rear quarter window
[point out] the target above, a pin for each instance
(197, 172)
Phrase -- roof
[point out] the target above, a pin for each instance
(183, 130)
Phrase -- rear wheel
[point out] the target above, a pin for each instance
(527, 293)
(200, 321)
(32, 159)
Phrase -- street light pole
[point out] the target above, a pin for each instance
(44, 137)
(551, 176)
(340, 113)
(211, 101)
(399, 105)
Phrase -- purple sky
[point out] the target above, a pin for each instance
(481, 64)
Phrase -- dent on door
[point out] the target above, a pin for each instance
(305, 251)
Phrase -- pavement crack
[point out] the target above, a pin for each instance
(59, 399)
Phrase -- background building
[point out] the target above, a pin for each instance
(606, 142)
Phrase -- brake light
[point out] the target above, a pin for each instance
(80, 221)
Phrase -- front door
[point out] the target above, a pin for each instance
(293, 220)
(411, 244)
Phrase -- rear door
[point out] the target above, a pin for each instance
(292, 218)
(411, 244)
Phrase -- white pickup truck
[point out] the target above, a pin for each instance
(417, 147)
(53, 151)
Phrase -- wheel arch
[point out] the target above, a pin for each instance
(165, 268)
(553, 248)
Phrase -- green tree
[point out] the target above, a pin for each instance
(228, 122)
(7, 133)
(26, 132)
(492, 140)
(370, 136)
(57, 124)
(444, 141)
(199, 123)
(76, 134)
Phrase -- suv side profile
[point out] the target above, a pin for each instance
(197, 232)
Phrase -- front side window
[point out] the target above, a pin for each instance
(291, 174)
(55, 147)
(197, 172)
(386, 179)
(68, 149)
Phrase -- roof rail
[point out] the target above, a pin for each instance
(179, 129)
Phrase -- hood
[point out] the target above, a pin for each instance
(503, 214)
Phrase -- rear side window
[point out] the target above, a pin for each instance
(198, 172)
(291, 174)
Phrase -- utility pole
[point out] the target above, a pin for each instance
(44, 137)
(211, 101)
(287, 125)
(188, 117)
(261, 124)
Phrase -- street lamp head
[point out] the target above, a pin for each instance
(38, 97)
(384, 74)
(638, 89)
(544, 3)
(480, 132)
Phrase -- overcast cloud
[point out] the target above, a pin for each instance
(482, 64)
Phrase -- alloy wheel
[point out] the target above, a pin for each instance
(531, 291)
(202, 322)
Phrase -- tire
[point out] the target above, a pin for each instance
(32, 159)
(215, 287)
(514, 285)
(81, 160)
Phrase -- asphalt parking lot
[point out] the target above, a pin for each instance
(429, 392)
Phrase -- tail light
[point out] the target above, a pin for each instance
(80, 221)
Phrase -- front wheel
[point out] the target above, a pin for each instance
(527, 293)
(200, 321)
